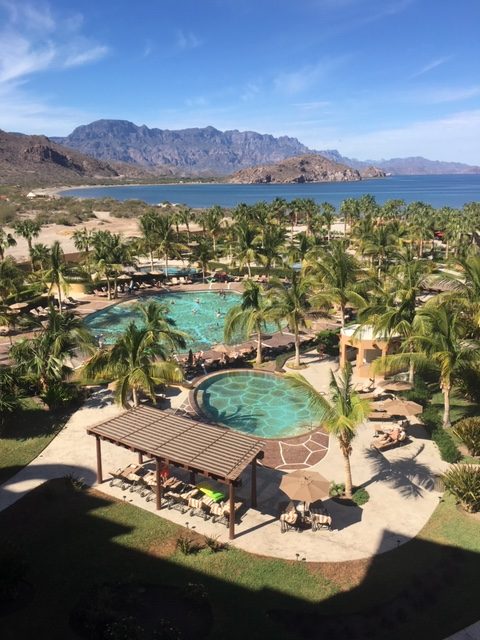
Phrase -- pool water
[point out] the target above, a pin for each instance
(201, 314)
(173, 270)
(260, 404)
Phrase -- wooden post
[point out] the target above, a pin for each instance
(231, 516)
(253, 497)
(99, 460)
(158, 480)
(343, 352)
(140, 458)
(193, 477)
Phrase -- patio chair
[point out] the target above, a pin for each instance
(220, 511)
(124, 476)
(199, 505)
(289, 520)
(321, 521)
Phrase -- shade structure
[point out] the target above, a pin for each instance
(402, 407)
(221, 348)
(395, 385)
(307, 486)
(124, 276)
(18, 305)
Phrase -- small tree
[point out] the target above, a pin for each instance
(463, 482)
(468, 431)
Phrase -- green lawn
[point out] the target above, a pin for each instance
(423, 590)
(25, 434)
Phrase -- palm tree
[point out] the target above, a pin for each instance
(6, 241)
(203, 254)
(328, 215)
(213, 218)
(292, 304)
(110, 254)
(439, 340)
(136, 362)
(273, 245)
(161, 327)
(40, 255)
(28, 229)
(43, 358)
(251, 316)
(149, 224)
(83, 240)
(335, 277)
(350, 210)
(167, 245)
(246, 241)
(11, 278)
(56, 273)
(341, 416)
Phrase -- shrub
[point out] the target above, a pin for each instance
(60, 394)
(360, 495)
(468, 431)
(327, 342)
(214, 544)
(186, 545)
(463, 482)
(446, 445)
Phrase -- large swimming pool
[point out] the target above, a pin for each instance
(260, 404)
(201, 314)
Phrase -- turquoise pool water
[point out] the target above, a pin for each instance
(260, 404)
(200, 314)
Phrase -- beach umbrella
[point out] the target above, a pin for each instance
(221, 348)
(395, 385)
(307, 486)
(402, 407)
(18, 305)
(124, 277)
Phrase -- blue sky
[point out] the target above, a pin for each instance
(372, 78)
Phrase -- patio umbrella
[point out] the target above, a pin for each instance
(395, 385)
(221, 348)
(307, 486)
(402, 407)
(18, 305)
(124, 277)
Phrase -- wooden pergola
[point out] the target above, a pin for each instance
(209, 450)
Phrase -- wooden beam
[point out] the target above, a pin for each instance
(99, 460)
(231, 515)
(158, 480)
(253, 497)
(193, 477)
(140, 457)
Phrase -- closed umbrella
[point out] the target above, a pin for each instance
(402, 407)
(307, 486)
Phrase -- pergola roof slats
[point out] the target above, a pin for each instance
(206, 448)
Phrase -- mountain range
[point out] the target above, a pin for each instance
(208, 151)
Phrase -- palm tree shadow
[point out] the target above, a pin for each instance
(406, 474)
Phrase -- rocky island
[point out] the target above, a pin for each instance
(301, 169)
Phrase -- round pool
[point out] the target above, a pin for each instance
(260, 404)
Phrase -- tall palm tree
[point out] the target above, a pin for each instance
(439, 340)
(213, 218)
(43, 359)
(149, 224)
(40, 255)
(251, 316)
(246, 244)
(292, 304)
(11, 278)
(161, 327)
(335, 277)
(83, 240)
(341, 416)
(136, 362)
(350, 210)
(28, 229)
(56, 272)
(203, 254)
(110, 254)
(167, 244)
(6, 241)
(328, 214)
(273, 245)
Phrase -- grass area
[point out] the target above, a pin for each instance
(72, 539)
(25, 434)
(460, 407)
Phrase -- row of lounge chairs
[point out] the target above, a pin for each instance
(199, 500)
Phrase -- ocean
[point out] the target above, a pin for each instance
(439, 191)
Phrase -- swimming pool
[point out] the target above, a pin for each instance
(173, 270)
(260, 404)
(201, 314)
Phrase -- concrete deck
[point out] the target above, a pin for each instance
(400, 482)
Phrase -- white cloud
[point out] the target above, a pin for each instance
(78, 58)
(431, 65)
(439, 95)
(294, 82)
(312, 106)
(187, 40)
(454, 137)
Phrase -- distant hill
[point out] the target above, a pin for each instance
(415, 166)
(37, 160)
(204, 151)
(301, 169)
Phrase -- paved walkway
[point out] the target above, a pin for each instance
(400, 482)
(470, 633)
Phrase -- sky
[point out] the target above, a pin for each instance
(372, 78)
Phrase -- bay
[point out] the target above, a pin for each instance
(439, 191)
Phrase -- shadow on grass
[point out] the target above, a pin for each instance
(73, 540)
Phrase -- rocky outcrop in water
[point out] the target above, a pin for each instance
(302, 169)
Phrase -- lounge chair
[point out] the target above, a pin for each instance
(389, 440)
(221, 511)
(124, 476)
(321, 521)
(289, 520)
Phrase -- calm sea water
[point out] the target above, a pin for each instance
(439, 191)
